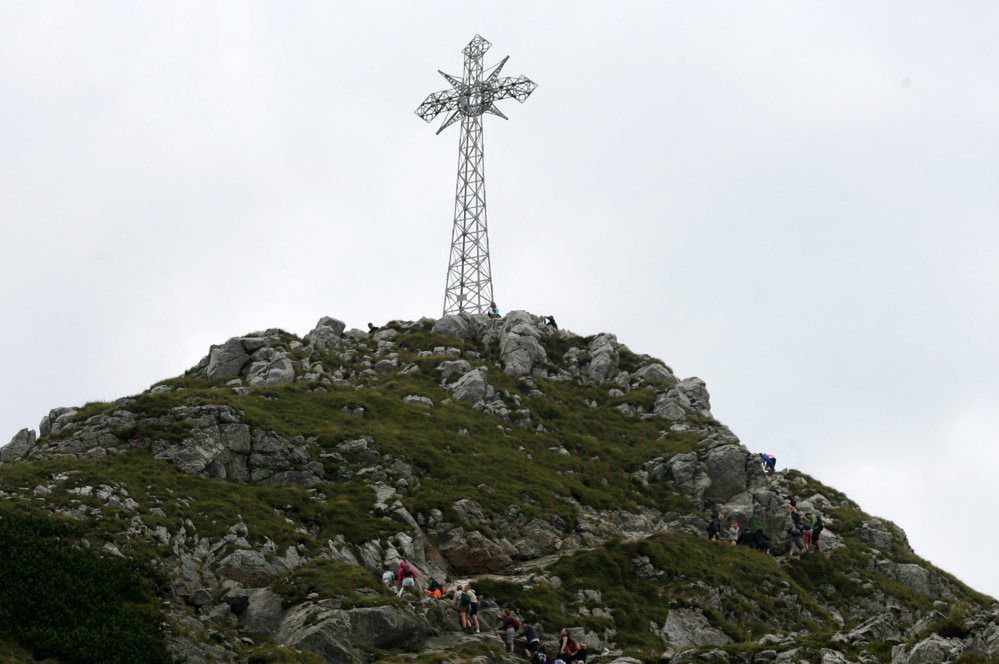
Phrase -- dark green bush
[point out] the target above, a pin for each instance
(72, 604)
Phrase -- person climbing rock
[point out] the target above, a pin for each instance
(463, 603)
(733, 533)
(388, 578)
(797, 544)
(508, 628)
(529, 634)
(806, 531)
(769, 464)
(817, 528)
(714, 527)
(550, 322)
(473, 608)
(493, 310)
(568, 649)
(405, 578)
(372, 329)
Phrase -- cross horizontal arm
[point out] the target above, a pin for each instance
(436, 103)
(519, 88)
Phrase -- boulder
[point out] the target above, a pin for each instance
(324, 631)
(227, 360)
(417, 400)
(326, 334)
(384, 627)
(685, 628)
(657, 374)
(520, 350)
(263, 612)
(604, 358)
(270, 367)
(472, 387)
(934, 649)
(472, 552)
(19, 446)
(55, 420)
(450, 367)
(464, 326)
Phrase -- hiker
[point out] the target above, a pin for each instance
(372, 329)
(817, 528)
(796, 542)
(806, 531)
(493, 310)
(463, 603)
(568, 649)
(435, 589)
(405, 577)
(714, 527)
(530, 635)
(550, 322)
(473, 608)
(388, 578)
(769, 464)
(507, 628)
(733, 533)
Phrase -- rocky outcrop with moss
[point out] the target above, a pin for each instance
(263, 493)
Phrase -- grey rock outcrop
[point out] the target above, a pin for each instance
(227, 360)
(270, 367)
(520, 348)
(327, 333)
(656, 374)
(263, 612)
(472, 387)
(19, 446)
(464, 326)
(604, 358)
(687, 398)
(685, 628)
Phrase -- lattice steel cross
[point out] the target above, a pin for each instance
(469, 275)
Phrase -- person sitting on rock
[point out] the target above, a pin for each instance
(733, 533)
(714, 527)
(493, 310)
(435, 589)
(372, 329)
(568, 649)
(508, 628)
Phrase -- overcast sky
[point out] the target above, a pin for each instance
(795, 201)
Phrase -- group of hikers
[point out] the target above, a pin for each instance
(466, 602)
(494, 312)
(805, 532)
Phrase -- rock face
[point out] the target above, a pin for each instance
(326, 334)
(687, 629)
(464, 326)
(520, 348)
(472, 387)
(604, 358)
(19, 446)
(688, 398)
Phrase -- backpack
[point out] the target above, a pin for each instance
(818, 527)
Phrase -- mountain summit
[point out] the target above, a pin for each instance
(248, 509)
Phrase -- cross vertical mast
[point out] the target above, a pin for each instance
(469, 275)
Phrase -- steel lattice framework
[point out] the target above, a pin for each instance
(469, 277)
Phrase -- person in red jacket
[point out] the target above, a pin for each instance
(568, 649)
(507, 628)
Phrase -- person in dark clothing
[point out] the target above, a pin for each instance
(530, 635)
(817, 528)
(550, 322)
(714, 527)
(372, 329)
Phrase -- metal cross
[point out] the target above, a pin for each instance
(469, 279)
